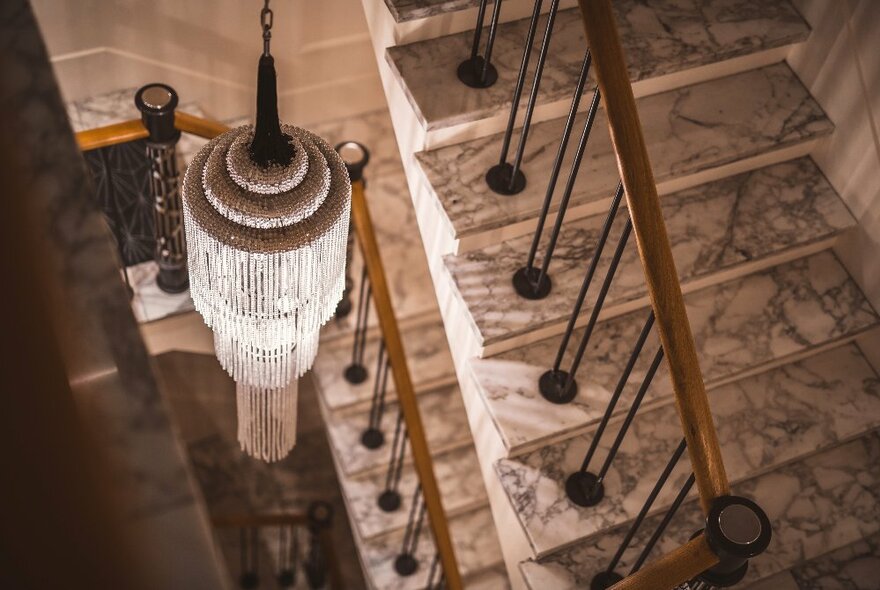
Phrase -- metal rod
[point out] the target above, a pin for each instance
(481, 15)
(682, 494)
(533, 95)
(627, 371)
(600, 301)
(490, 40)
(378, 386)
(631, 414)
(588, 278)
(569, 187)
(560, 154)
(637, 523)
(520, 80)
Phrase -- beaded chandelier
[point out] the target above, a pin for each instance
(266, 212)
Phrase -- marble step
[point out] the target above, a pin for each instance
(443, 417)
(819, 504)
(854, 567)
(726, 228)
(457, 473)
(474, 540)
(660, 39)
(742, 326)
(427, 355)
(762, 422)
(694, 135)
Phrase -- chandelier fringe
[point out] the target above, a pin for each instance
(267, 420)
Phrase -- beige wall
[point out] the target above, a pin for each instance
(208, 49)
(840, 64)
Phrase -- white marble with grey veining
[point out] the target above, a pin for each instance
(443, 417)
(658, 38)
(687, 130)
(712, 227)
(739, 326)
(762, 422)
(458, 477)
(427, 354)
(407, 10)
(854, 567)
(473, 538)
(815, 505)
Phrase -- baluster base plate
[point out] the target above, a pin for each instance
(553, 389)
(470, 72)
(389, 501)
(355, 374)
(584, 488)
(372, 438)
(406, 564)
(604, 580)
(526, 285)
(498, 179)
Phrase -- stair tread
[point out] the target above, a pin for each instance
(854, 567)
(820, 503)
(427, 355)
(713, 227)
(457, 473)
(658, 38)
(407, 10)
(687, 131)
(762, 421)
(473, 538)
(739, 326)
(443, 417)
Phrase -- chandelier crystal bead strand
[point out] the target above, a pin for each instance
(266, 211)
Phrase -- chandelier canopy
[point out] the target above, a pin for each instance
(266, 211)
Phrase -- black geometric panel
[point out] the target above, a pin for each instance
(121, 175)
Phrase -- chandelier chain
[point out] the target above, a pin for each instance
(266, 21)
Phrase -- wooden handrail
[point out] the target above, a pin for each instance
(655, 250)
(133, 129)
(403, 384)
(99, 137)
(673, 569)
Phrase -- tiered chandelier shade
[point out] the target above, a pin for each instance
(267, 248)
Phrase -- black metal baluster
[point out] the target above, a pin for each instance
(320, 518)
(356, 372)
(249, 558)
(559, 386)
(585, 488)
(373, 437)
(287, 544)
(477, 71)
(608, 577)
(667, 518)
(497, 179)
(436, 579)
(406, 562)
(389, 499)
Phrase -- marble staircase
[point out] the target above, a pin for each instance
(777, 319)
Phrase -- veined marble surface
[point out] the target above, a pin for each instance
(712, 227)
(473, 538)
(443, 417)
(427, 355)
(407, 10)
(458, 477)
(762, 421)
(687, 130)
(658, 38)
(738, 326)
(854, 567)
(816, 505)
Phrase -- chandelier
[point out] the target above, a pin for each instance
(266, 212)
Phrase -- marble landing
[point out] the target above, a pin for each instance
(427, 355)
(473, 538)
(458, 476)
(689, 130)
(658, 38)
(762, 422)
(443, 417)
(740, 327)
(819, 504)
(731, 225)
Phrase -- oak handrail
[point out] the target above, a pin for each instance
(655, 251)
(99, 137)
(199, 126)
(673, 569)
(406, 397)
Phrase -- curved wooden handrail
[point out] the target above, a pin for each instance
(655, 250)
(199, 126)
(673, 569)
(421, 455)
